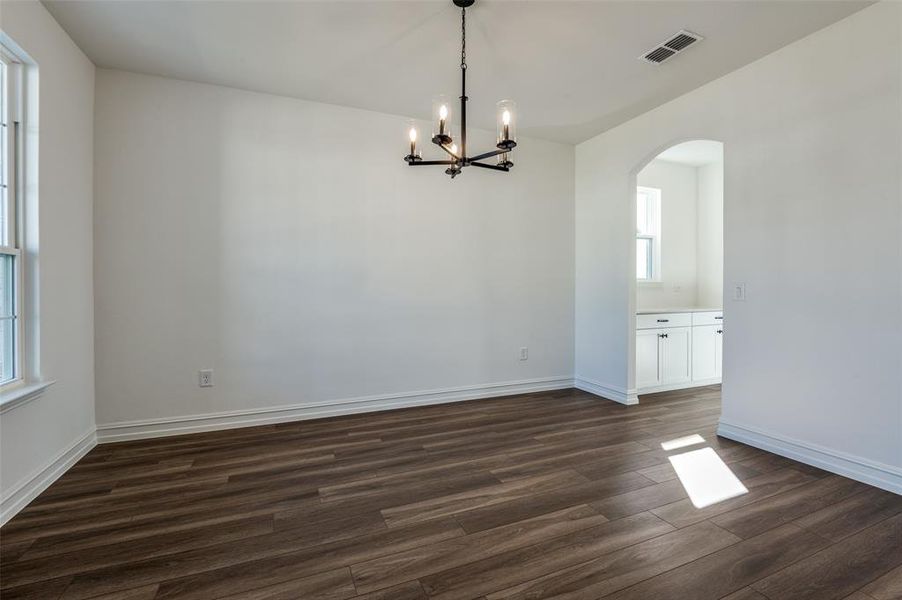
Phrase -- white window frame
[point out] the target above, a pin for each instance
(11, 241)
(655, 238)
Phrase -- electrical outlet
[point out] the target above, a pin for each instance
(205, 378)
(524, 353)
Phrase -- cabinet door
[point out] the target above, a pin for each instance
(676, 346)
(648, 372)
(718, 352)
(704, 352)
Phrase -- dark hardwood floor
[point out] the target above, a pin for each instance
(550, 495)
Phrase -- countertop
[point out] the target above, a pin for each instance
(659, 311)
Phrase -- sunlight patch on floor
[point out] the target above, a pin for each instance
(689, 440)
(706, 478)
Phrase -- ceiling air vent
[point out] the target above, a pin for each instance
(676, 44)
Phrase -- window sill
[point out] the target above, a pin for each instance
(649, 282)
(23, 394)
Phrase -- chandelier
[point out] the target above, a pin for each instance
(441, 124)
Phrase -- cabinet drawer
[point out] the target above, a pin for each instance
(707, 318)
(663, 320)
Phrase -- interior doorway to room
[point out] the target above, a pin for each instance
(679, 321)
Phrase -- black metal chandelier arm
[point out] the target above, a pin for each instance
(418, 163)
(492, 167)
(447, 149)
(487, 154)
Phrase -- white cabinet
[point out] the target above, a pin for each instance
(707, 352)
(648, 358)
(678, 350)
(663, 357)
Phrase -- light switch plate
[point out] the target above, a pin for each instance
(739, 292)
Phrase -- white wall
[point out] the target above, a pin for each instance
(34, 435)
(812, 188)
(679, 218)
(286, 245)
(709, 268)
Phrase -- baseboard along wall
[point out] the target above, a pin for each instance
(26, 490)
(877, 474)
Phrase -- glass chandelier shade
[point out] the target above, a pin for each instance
(413, 136)
(506, 119)
(441, 119)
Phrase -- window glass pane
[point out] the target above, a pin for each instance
(643, 258)
(7, 283)
(7, 349)
(7, 320)
(642, 212)
(4, 157)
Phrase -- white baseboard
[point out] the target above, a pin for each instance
(609, 392)
(873, 473)
(26, 490)
(679, 386)
(151, 428)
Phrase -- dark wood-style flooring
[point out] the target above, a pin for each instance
(549, 495)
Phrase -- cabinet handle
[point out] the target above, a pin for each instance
(662, 335)
(720, 331)
(719, 317)
(663, 320)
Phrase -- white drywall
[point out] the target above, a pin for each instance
(709, 265)
(679, 192)
(36, 437)
(812, 214)
(287, 246)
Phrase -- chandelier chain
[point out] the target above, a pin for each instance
(463, 38)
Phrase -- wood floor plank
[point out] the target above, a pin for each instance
(623, 568)
(841, 569)
(886, 587)
(432, 508)
(639, 500)
(219, 570)
(511, 568)
(682, 512)
(550, 494)
(50, 589)
(757, 517)
(204, 581)
(842, 519)
(330, 585)
(486, 517)
(728, 570)
(145, 592)
(413, 564)
(745, 594)
(852, 596)
(34, 570)
(566, 460)
(411, 590)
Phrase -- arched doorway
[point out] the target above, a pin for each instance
(676, 295)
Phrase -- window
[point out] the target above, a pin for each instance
(648, 234)
(10, 235)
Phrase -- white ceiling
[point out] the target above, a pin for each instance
(571, 66)
(696, 153)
